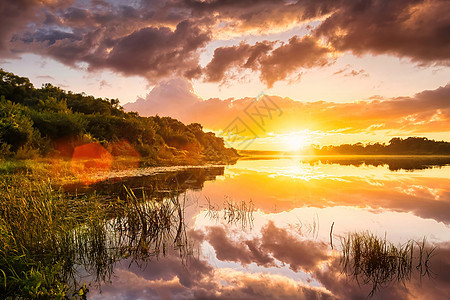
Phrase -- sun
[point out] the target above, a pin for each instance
(295, 141)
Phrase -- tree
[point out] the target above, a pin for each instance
(16, 128)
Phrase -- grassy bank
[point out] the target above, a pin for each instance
(47, 237)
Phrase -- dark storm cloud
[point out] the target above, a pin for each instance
(74, 14)
(151, 52)
(417, 30)
(16, 15)
(153, 43)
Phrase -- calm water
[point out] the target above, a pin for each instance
(284, 240)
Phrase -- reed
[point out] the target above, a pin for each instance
(372, 260)
(47, 237)
(233, 212)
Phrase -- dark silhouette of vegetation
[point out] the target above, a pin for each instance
(51, 121)
(394, 163)
(396, 146)
(158, 185)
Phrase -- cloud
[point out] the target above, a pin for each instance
(170, 277)
(425, 112)
(275, 243)
(16, 16)
(298, 53)
(174, 97)
(298, 254)
(12, 16)
(334, 190)
(164, 38)
(305, 52)
(412, 29)
(261, 16)
(46, 77)
(156, 52)
(244, 252)
(243, 56)
(415, 288)
(232, 284)
(140, 40)
(151, 52)
(348, 71)
(103, 83)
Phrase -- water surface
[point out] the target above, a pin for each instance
(273, 229)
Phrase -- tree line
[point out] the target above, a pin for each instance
(396, 146)
(50, 121)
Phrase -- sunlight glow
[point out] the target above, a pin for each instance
(295, 141)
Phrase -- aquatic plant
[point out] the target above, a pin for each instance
(233, 212)
(47, 237)
(372, 260)
(145, 227)
(305, 228)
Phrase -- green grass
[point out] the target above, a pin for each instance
(46, 236)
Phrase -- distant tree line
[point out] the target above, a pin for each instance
(50, 121)
(396, 146)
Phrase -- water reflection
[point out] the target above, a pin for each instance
(281, 185)
(273, 263)
(394, 163)
(282, 250)
(157, 183)
(132, 228)
(372, 260)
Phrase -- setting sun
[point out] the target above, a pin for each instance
(295, 141)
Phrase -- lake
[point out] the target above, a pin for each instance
(289, 228)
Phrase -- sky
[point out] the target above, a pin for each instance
(268, 75)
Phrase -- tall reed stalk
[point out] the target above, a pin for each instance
(47, 237)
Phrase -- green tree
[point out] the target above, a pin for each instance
(16, 128)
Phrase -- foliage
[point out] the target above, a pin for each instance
(397, 146)
(48, 236)
(43, 118)
(16, 127)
